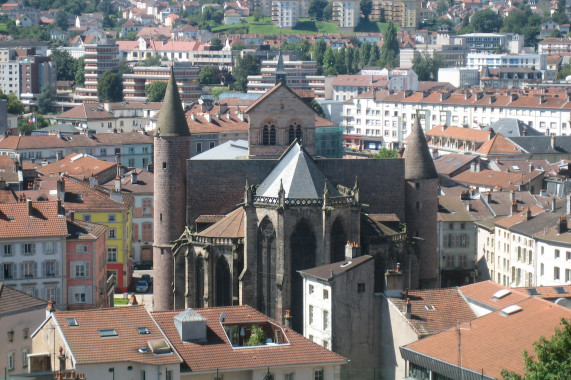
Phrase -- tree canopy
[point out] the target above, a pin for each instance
(46, 99)
(79, 66)
(65, 64)
(110, 87)
(427, 67)
(366, 8)
(151, 60)
(209, 75)
(390, 53)
(316, 8)
(26, 127)
(386, 153)
(552, 359)
(486, 21)
(13, 104)
(244, 66)
(155, 91)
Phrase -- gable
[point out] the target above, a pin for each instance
(278, 99)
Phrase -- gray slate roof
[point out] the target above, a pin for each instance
(230, 150)
(513, 128)
(172, 121)
(13, 301)
(299, 176)
(542, 144)
(328, 272)
(417, 158)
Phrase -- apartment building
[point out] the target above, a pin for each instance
(494, 61)
(285, 13)
(389, 114)
(35, 73)
(346, 14)
(187, 77)
(9, 72)
(100, 57)
(404, 13)
(552, 46)
(491, 42)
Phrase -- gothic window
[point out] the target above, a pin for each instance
(199, 268)
(266, 283)
(266, 136)
(273, 135)
(338, 241)
(298, 134)
(302, 248)
(291, 134)
(223, 283)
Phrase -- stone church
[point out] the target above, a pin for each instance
(282, 210)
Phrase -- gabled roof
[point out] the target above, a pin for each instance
(450, 163)
(217, 353)
(328, 272)
(77, 165)
(231, 226)
(498, 145)
(81, 230)
(298, 175)
(88, 347)
(269, 93)
(86, 112)
(544, 144)
(418, 161)
(434, 310)
(490, 343)
(482, 294)
(41, 219)
(145, 182)
(513, 127)
(13, 301)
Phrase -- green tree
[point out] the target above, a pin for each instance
(79, 66)
(340, 61)
(26, 127)
(328, 12)
(247, 65)
(124, 67)
(209, 75)
(151, 60)
(155, 91)
(13, 104)
(328, 58)
(46, 99)
(258, 15)
(64, 63)
(386, 153)
(110, 87)
(317, 108)
(552, 359)
(365, 53)
(366, 8)
(319, 48)
(382, 16)
(564, 71)
(390, 53)
(426, 67)
(257, 337)
(216, 43)
(560, 15)
(486, 21)
(61, 20)
(316, 8)
(442, 7)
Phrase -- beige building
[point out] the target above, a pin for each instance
(285, 13)
(100, 57)
(346, 14)
(20, 314)
(404, 13)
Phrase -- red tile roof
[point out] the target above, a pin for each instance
(88, 347)
(217, 353)
(231, 226)
(16, 143)
(86, 112)
(77, 165)
(483, 293)
(42, 219)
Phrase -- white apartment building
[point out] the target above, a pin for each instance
(346, 14)
(285, 13)
(495, 61)
(10, 77)
(389, 114)
(490, 42)
(554, 258)
(459, 76)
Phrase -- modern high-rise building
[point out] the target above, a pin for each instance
(346, 14)
(100, 57)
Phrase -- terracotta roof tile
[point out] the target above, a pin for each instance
(519, 217)
(41, 219)
(217, 353)
(77, 165)
(492, 178)
(231, 226)
(86, 112)
(548, 292)
(483, 293)
(144, 185)
(81, 230)
(88, 347)
(15, 301)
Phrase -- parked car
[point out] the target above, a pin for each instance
(147, 278)
(142, 286)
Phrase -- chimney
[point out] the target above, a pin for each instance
(400, 152)
(512, 196)
(287, 319)
(562, 225)
(524, 132)
(50, 309)
(352, 250)
(394, 282)
(465, 195)
(117, 187)
(92, 182)
(528, 214)
(434, 153)
(60, 208)
(568, 204)
(134, 177)
(513, 208)
(208, 117)
(488, 196)
(30, 210)
(118, 158)
(408, 309)
(59, 155)
(491, 136)
(531, 167)
(150, 167)
(72, 215)
(107, 106)
(552, 142)
(193, 117)
(553, 203)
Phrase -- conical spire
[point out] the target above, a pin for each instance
(280, 70)
(172, 121)
(418, 163)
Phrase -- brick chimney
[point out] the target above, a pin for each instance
(488, 196)
(352, 250)
(528, 214)
(553, 204)
(30, 209)
(562, 227)
(50, 309)
(408, 309)
(72, 215)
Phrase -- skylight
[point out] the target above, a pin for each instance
(512, 309)
(72, 322)
(429, 307)
(533, 292)
(501, 294)
(560, 290)
(143, 330)
(450, 159)
(107, 333)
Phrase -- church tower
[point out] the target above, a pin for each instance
(280, 70)
(421, 206)
(171, 150)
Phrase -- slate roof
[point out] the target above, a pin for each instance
(328, 272)
(16, 222)
(417, 158)
(81, 230)
(144, 185)
(449, 309)
(217, 353)
(229, 150)
(13, 301)
(231, 226)
(299, 176)
(450, 163)
(77, 165)
(542, 144)
(495, 341)
(172, 121)
(88, 347)
(513, 128)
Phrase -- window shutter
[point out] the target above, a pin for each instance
(35, 269)
(56, 269)
(43, 269)
(88, 294)
(87, 269)
(14, 271)
(58, 296)
(43, 293)
(1, 272)
(21, 269)
(72, 269)
(135, 232)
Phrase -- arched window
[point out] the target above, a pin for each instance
(273, 135)
(266, 283)
(266, 136)
(291, 134)
(223, 283)
(199, 268)
(298, 134)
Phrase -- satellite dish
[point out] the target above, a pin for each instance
(222, 317)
